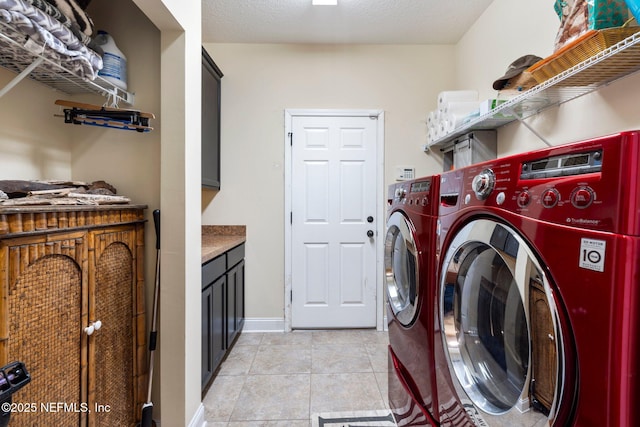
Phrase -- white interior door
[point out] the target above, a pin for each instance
(333, 221)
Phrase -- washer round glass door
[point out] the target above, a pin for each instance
(490, 286)
(401, 268)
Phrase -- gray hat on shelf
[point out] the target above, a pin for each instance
(515, 68)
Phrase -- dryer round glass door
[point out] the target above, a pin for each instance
(500, 325)
(401, 268)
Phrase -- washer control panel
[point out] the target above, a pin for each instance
(417, 195)
(559, 188)
(400, 193)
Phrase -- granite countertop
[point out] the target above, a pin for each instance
(218, 239)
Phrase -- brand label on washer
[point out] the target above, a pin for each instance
(592, 254)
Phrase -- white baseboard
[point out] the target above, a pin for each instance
(268, 324)
(198, 418)
(276, 324)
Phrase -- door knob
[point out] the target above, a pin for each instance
(370, 233)
(369, 219)
(94, 326)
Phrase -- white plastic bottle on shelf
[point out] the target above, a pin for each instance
(114, 67)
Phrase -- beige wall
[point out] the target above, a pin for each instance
(178, 374)
(259, 83)
(33, 143)
(500, 36)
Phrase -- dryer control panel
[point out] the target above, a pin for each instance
(589, 184)
(566, 165)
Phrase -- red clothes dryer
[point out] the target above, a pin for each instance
(538, 319)
(410, 273)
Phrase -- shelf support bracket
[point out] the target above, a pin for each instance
(536, 133)
(17, 79)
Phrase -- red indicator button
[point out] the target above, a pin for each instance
(550, 198)
(524, 199)
(582, 197)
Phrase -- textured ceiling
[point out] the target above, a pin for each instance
(351, 21)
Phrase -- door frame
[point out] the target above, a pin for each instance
(378, 115)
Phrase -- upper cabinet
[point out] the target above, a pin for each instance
(211, 77)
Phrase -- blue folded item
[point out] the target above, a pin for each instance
(634, 7)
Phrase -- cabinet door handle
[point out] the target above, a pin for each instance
(94, 326)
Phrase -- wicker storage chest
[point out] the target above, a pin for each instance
(72, 309)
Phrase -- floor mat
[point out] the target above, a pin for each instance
(381, 418)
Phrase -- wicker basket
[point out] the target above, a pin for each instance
(581, 49)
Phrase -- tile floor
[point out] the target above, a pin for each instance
(280, 379)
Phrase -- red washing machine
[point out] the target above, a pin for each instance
(410, 274)
(538, 319)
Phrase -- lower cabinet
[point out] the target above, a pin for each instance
(222, 308)
(213, 329)
(235, 300)
(72, 310)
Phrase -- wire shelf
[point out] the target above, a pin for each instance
(48, 71)
(603, 68)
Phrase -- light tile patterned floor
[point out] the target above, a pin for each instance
(280, 379)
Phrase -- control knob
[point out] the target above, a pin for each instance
(582, 197)
(550, 198)
(400, 193)
(524, 198)
(483, 184)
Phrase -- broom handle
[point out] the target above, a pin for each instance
(153, 334)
